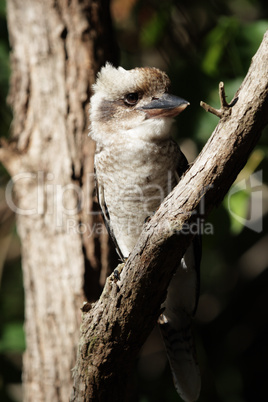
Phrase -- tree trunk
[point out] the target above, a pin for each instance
(57, 48)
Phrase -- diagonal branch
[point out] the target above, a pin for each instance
(115, 328)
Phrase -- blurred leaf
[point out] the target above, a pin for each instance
(4, 63)
(253, 35)
(229, 47)
(153, 31)
(237, 206)
(255, 159)
(121, 10)
(2, 8)
(12, 339)
(217, 42)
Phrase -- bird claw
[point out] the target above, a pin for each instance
(118, 270)
(148, 218)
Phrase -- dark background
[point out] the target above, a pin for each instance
(198, 44)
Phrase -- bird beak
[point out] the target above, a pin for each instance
(166, 106)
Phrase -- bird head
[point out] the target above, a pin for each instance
(132, 104)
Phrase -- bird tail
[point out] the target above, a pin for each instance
(178, 339)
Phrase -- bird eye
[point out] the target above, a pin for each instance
(131, 99)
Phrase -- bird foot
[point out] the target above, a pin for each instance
(148, 218)
(118, 270)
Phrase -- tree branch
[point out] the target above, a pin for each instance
(115, 328)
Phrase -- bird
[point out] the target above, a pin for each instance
(137, 164)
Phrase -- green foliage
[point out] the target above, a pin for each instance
(11, 308)
(12, 339)
(218, 42)
(154, 29)
(228, 47)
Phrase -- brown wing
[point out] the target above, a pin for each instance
(105, 214)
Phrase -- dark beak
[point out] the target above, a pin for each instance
(166, 106)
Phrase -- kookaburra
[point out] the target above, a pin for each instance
(137, 164)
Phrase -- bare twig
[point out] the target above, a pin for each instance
(225, 106)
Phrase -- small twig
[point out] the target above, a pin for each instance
(222, 96)
(225, 106)
(211, 109)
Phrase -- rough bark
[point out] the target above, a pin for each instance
(57, 48)
(115, 328)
